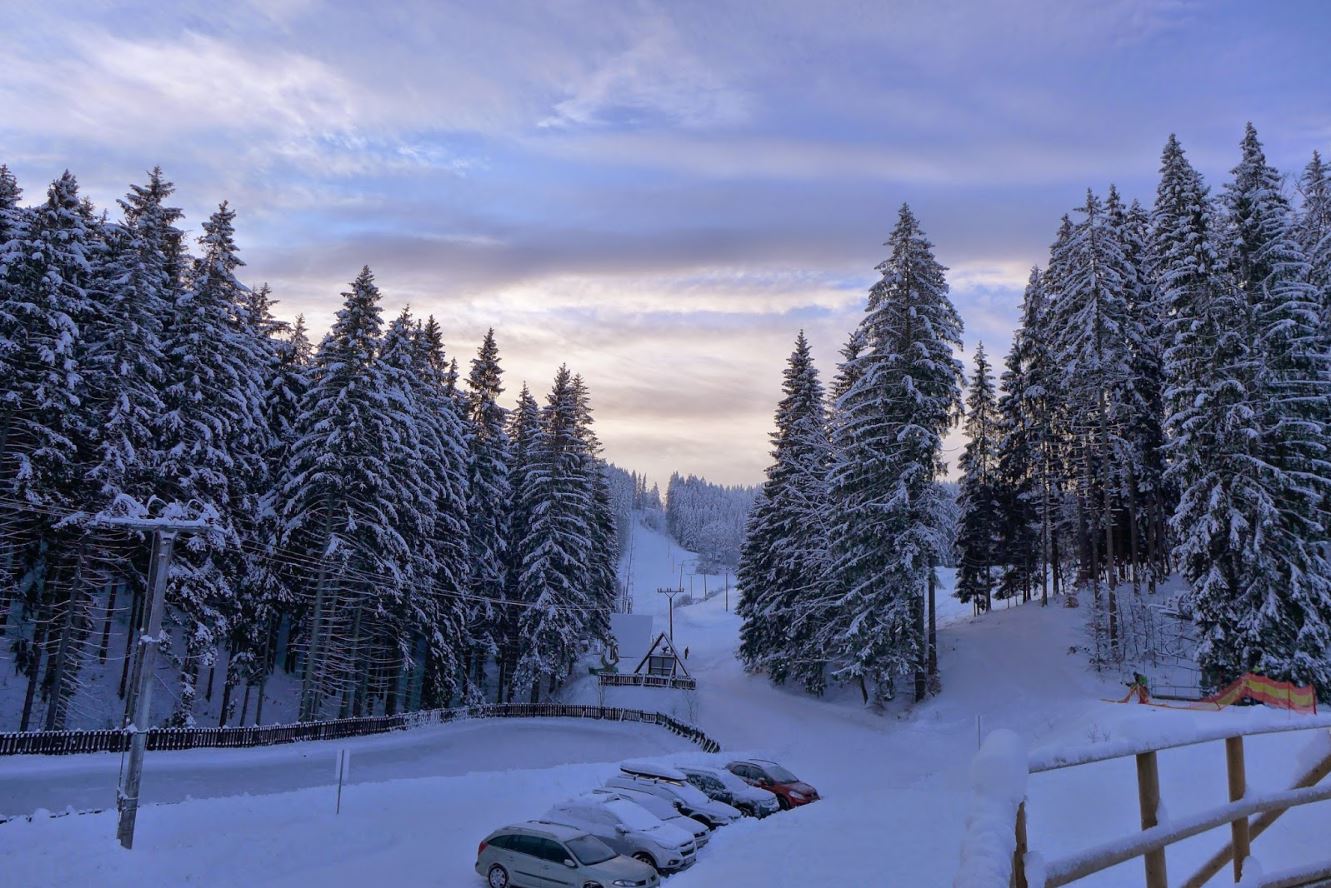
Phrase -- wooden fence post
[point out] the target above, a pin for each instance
(1148, 792)
(1019, 852)
(1238, 785)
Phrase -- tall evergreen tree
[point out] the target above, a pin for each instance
(783, 567)
(338, 498)
(524, 427)
(555, 545)
(888, 446)
(977, 535)
(488, 496)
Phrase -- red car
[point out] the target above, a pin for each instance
(791, 792)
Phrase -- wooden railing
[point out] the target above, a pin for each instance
(1151, 842)
(631, 679)
(70, 742)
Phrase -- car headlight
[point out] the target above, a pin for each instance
(798, 796)
(623, 883)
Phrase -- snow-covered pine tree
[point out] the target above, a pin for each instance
(1284, 627)
(1224, 507)
(337, 496)
(978, 531)
(1022, 421)
(782, 572)
(554, 547)
(1312, 229)
(210, 442)
(602, 581)
(488, 496)
(524, 425)
(1090, 317)
(1141, 406)
(50, 271)
(888, 447)
(126, 358)
(288, 384)
(447, 675)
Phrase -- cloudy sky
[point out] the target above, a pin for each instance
(658, 194)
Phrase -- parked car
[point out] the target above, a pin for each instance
(630, 830)
(666, 812)
(536, 855)
(791, 792)
(675, 787)
(722, 786)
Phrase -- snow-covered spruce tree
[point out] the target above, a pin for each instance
(782, 570)
(49, 267)
(338, 499)
(524, 425)
(602, 582)
(1021, 483)
(1090, 316)
(126, 358)
(1284, 627)
(552, 576)
(888, 445)
(210, 440)
(1312, 229)
(977, 535)
(276, 597)
(488, 497)
(1224, 510)
(446, 672)
(1141, 407)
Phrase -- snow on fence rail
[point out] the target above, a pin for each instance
(69, 742)
(631, 679)
(995, 853)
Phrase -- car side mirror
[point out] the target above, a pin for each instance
(568, 862)
(621, 829)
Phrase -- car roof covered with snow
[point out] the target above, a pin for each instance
(560, 831)
(653, 769)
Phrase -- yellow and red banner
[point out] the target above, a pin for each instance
(1282, 694)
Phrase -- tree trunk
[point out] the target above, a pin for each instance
(310, 690)
(933, 624)
(34, 670)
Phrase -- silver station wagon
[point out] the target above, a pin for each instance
(545, 855)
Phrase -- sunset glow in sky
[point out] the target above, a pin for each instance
(659, 194)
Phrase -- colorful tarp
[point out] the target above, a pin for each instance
(1267, 690)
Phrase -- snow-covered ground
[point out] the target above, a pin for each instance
(895, 785)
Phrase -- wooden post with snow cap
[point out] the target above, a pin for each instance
(1148, 795)
(1238, 786)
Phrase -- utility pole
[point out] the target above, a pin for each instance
(727, 590)
(670, 594)
(138, 710)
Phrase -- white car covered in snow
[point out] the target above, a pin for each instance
(673, 785)
(752, 800)
(665, 811)
(630, 830)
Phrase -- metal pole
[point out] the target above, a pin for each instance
(145, 663)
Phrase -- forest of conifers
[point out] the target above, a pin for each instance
(1163, 413)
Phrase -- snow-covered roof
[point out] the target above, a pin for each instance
(633, 636)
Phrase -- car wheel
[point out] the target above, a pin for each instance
(644, 857)
(497, 877)
(783, 803)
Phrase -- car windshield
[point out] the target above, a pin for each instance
(657, 807)
(729, 780)
(631, 815)
(780, 774)
(690, 794)
(589, 850)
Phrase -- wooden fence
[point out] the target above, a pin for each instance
(632, 679)
(1155, 837)
(70, 742)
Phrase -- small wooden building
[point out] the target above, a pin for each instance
(662, 660)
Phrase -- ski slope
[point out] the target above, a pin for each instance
(895, 784)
